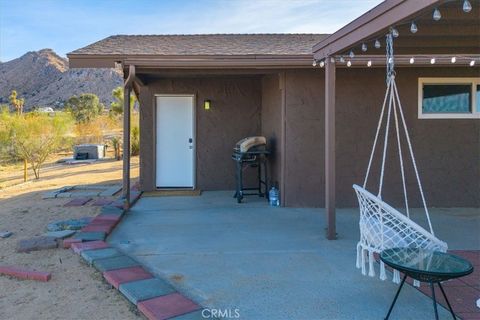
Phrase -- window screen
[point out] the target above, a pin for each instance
(447, 98)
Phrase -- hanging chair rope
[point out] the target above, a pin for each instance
(381, 225)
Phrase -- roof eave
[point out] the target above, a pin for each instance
(216, 61)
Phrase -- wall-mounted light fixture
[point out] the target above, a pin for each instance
(206, 104)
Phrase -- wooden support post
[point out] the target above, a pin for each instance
(330, 147)
(126, 146)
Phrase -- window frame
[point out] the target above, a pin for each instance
(473, 82)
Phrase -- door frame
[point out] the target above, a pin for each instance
(194, 133)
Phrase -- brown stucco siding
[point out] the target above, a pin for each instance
(234, 114)
(304, 175)
(447, 151)
(272, 125)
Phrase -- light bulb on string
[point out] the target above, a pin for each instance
(349, 63)
(467, 6)
(413, 27)
(342, 59)
(369, 63)
(432, 61)
(322, 64)
(454, 59)
(351, 54)
(377, 44)
(395, 33)
(314, 63)
(364, 47)
(412, 60)
(437, 15)
(472, 63)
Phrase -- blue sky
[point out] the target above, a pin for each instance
(65, 25)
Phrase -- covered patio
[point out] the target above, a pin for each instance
(272, 262)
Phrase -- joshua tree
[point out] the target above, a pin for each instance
(16, 103)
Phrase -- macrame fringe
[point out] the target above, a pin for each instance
(396, 276)
(364, 271)
(371, 270)
(383, 275)
(359, 248)
(416, 283)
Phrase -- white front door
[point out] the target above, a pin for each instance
(175, 145)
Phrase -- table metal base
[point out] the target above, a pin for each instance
(433, 299)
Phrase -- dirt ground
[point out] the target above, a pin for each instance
(76, 291)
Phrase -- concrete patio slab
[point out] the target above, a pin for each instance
(114, 263)
(195, 315)
(117, 277)
(140, 290)
(91, 255)
(273, 262)
(167, 307)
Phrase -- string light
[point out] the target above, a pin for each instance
(322, 64)
(432, 61)
(467, 6)
(349, 63)
(413, 27)
(390, 60)
(395, 33)
(437, 15)
(314, 63)
(472, 63)
(377, 44)
(412, 60)
(351, 54)
(369, 63)
(454, 59)
(364, 47)
(342, 59)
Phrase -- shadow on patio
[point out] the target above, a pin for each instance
(273, 263)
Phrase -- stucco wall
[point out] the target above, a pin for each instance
(234, 114)
(447, 151)
(272, 124)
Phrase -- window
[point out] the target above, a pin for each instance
(449, 98)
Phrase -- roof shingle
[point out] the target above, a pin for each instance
(208, 44)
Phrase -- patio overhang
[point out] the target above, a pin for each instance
(456, 34)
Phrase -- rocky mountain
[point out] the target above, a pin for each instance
(44, 79)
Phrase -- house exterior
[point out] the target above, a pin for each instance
(265, 84)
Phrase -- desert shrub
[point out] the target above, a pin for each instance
(116, 144)
(85, 107)
(135, 141)
(33, 137)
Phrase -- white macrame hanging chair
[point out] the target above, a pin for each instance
(382, 226)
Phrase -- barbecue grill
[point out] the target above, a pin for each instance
(251, 152)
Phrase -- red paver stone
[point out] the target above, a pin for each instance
(119, 276)
(166, 307)
(102, 202)
(107, 218)
(98, 228)
(26, 274)
(67, 243)
(89, 245)
(78, 202)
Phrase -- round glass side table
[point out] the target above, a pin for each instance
(428, 266)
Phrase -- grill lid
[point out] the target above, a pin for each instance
(247, 143)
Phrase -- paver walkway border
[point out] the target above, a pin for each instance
(154, 297)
